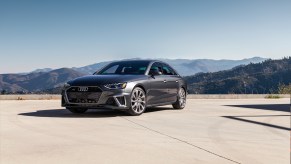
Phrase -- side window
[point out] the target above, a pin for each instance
(167, 70)
(172, 70)
(156, 66)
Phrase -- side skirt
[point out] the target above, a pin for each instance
(161, 104)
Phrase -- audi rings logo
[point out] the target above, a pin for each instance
(83, 89)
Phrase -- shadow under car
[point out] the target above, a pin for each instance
(93, 113)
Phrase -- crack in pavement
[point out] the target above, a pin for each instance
(180, 140)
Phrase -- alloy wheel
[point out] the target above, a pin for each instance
(182, 97)
(138, 102)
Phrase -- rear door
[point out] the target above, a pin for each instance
(172, 82)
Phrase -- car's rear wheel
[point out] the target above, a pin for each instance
(137, 102)
(77, 110)
(181, 100)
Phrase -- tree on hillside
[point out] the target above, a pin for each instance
(267, 77)
(3, 92)
(284, 89)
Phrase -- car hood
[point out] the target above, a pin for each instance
(93, 80)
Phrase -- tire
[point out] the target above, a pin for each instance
(77, 110)
(181, 99)
(137, 102)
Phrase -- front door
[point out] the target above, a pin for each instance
(158, 92)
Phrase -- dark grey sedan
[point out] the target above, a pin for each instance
(130, 86)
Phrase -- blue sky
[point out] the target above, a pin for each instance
(59, 33)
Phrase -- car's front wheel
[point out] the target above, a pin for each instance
(137, 102)
(181, 99)
(77, 110)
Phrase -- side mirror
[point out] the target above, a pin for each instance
(154, 72)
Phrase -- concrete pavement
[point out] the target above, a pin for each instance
(206, 131)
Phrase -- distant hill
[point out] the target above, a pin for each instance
(42, 70)
(190, 67)
(262, 78)
(49, 81)
(37, 81)
(90, 69)
(185, 67)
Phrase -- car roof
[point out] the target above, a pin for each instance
(142, 60)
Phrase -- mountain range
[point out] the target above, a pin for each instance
(185, 66)
(47, 79)
(260, 78)
(37, 81)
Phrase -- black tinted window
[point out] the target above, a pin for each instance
(156, 67)
(167, 70)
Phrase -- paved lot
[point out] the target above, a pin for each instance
(207, 131)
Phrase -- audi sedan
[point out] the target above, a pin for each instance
(130, 86)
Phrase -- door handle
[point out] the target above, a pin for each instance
(165, 81)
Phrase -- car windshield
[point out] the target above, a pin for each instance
(126, 68)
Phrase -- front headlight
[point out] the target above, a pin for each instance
(115, 86)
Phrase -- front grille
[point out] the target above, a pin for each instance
(90, 89)
(83, 94)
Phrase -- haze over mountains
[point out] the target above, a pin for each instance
(190, 67)
(185, 67)
(47, 78)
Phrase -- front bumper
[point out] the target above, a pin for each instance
(95, 97)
